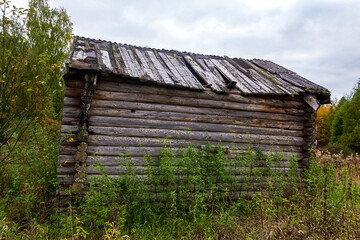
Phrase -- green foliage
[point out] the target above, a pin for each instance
(27, 187)
(32, 52)
(345, 123)
(182, 198)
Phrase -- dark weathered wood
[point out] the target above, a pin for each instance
(175, 116)
(183, 134)
(75, 83)
(192, 101)
(155, 151)
(252, 181)
(68, 150)
(70, 121)
(226, 139)
(68, 139)
(67, 170)
(73, 92)
(142, 170)
(312, 101)
(140, 161)
(65, 160)
(199, 110)
(187, 126)
(279, 101)
(65, 180)
(69, 128)
(133, 120)
(70, 112)
(72, 102)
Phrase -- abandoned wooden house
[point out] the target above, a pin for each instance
(119, 97)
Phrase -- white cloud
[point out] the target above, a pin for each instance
(318, 39)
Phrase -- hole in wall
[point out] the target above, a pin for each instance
(132, 110)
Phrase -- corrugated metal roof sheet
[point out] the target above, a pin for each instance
(194, 71)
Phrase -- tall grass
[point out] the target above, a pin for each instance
(194, 193)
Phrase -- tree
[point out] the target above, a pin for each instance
(345, 123)
(323, 124)
(33, 48)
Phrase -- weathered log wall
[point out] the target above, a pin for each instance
(136, 118)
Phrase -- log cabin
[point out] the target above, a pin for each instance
(119, 97)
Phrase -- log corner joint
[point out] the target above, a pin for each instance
(310, 128)
(83, 134)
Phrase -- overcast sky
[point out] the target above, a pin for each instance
(318, 39)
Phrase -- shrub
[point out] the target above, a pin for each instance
(345, 124)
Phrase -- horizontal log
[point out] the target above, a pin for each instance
(72, 102)
(70, 121)
(75, 83)
(140, 161)
(73, 92)
(65, 180)
(155, 151)
(192, 101)
(67, 170)
(187, 135)
(66, 160)
(68, 150)
(116, 161)
(105, 121)
(141, 170)
(191, 117)
(249, 180)
(71, 112)
(191, 109)
(132, 142)
(68, 139)
(69, 128)
(279, 101)
(225, 139)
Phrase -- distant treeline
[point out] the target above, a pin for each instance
(339, 123)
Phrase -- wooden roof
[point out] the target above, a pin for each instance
(189, 70)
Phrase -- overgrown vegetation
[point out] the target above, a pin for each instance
(188, 194)
(339, 124)
(33, 47)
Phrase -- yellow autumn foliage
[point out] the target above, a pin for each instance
(323, 124)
